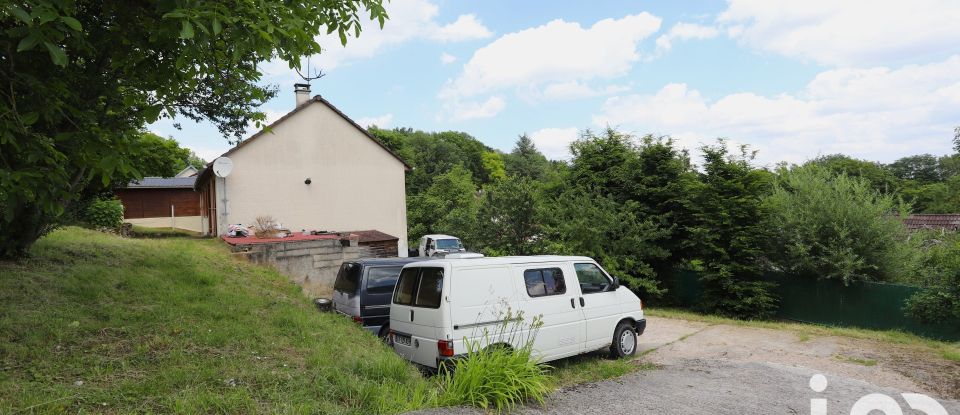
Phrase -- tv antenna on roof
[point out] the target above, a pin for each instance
(310, 76)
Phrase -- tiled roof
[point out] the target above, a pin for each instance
(373, 236)
(163, 183)
(950, 222)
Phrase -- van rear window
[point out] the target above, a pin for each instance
(348, 278)
(419, 287)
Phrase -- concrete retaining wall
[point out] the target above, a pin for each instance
(311, 264)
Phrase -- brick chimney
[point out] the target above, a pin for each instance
(303, 93)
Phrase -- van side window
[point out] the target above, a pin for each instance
(419, 287)
(543, 282)
(592, 279)
(381, 280)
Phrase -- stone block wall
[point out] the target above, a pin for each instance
(311, 264)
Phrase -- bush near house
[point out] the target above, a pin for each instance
(105, 213)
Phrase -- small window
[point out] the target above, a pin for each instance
(419, 287)
(381, 280)
(543, 282)
(592, 279)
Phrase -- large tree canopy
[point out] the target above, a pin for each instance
(82, 78)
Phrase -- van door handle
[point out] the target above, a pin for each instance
(572, 305)
(411, 315)
(581, 302)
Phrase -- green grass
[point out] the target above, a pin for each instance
(949, 351)
(145, 232)
(593, 367)
(177, 326)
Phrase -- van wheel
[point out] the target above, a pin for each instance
(384, 334)
(624, 341)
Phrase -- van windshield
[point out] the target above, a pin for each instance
(449, 244)
(419, 287)
(348, 278)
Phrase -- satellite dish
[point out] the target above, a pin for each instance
(222, 167)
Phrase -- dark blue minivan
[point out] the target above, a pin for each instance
(364, 288)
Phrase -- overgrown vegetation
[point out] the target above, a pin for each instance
(493, 374)
(641, 207)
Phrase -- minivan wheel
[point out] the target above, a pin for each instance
(624, 341)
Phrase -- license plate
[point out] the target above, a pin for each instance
(401, 339)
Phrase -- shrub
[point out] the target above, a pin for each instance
(105, 213)
(494, 375)
(827, 225)
(940, 300)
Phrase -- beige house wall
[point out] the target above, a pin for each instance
(190, 223)
(355, 183)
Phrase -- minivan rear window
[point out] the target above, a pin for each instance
(419, 287)
(381, 280)
(348, 278)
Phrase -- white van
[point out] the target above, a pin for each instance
(439, 303)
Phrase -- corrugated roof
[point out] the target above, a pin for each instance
(163, 183)
(950, 221)
(373, 236)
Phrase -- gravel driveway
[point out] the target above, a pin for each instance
(722, 369)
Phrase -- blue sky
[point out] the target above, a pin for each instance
(874, 79)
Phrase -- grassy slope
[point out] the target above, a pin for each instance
(176, 325)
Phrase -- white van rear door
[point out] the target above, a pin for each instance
(416, 315)
(600, 304)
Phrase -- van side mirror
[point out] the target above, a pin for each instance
(616, 283)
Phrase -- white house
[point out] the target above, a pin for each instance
(313, 169)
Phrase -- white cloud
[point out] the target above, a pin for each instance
(466, 27)
(381, 121)
(447, 58)
(409, 20)
(847, 32)
(558, 51)
(471, 110)
(576, 90)
(684, 31)
(555, 142)
(878, 114)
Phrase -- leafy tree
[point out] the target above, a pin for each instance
(830, 226)
(525, 160)
(510, 217)
(728, 234)
(157, 156)
(493, 166)
(392, 139)
(654, 174)
(956, 139)
(449, 205)
(880, 179)
(923, 168)
(82, 78)
(582, 222)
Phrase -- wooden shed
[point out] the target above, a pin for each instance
(161, 202)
